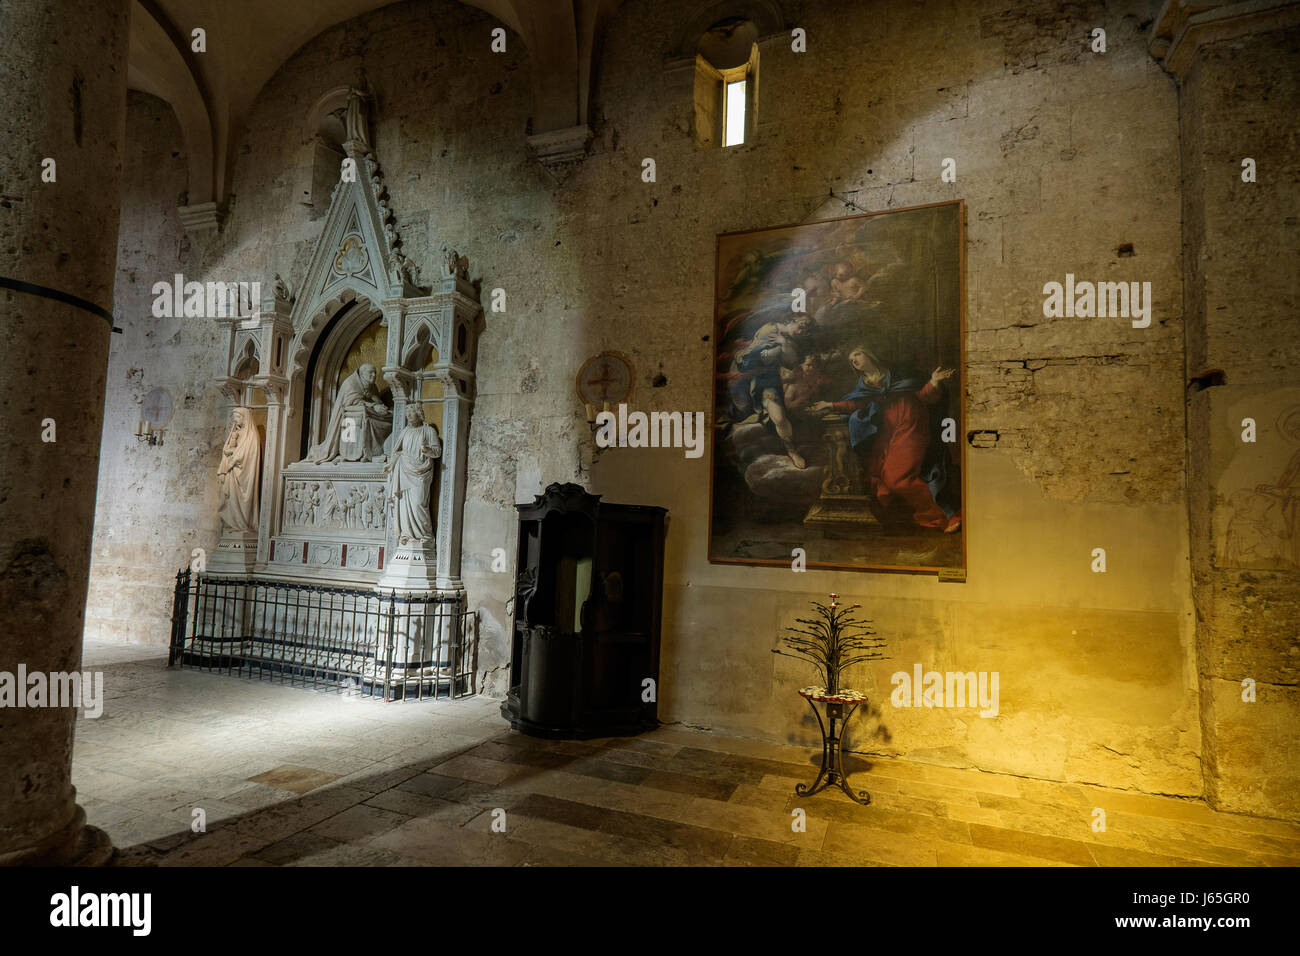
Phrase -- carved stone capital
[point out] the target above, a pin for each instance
(202, 217)
(232, 389)
(455, 383)
(401, 381)
(1184, 26)
(558, 149)
(276, 389)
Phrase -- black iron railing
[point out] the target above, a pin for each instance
(354, 641)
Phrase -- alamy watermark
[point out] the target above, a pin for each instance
(206, 300)
(626, 429)
(56, 689)
(75, 908)
(1086, 300)
(946, 689)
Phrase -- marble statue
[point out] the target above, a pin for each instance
(411, 470)
(281, 290)
(359, 422)
(356, 119)
(407, 269)
(239, 473)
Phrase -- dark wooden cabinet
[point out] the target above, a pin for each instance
(588, 597)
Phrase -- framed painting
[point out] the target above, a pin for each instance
(839, 363)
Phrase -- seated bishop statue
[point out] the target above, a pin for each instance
(359, 422)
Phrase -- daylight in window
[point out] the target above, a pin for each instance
(734, 134)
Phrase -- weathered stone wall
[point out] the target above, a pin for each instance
(1243, 295)
(1064, 157)
(155, 503)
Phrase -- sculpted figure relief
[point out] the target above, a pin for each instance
(359, 422)
(239, 472)
(411, 471)
(356, 118)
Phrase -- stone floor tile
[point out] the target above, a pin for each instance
(478, 770)
(957, 855)
(608, 770)
(752, 795)
(549, 856)
(810, 857)
(696, 786)
(451, 846)
(299, 846)
(1120, 856)
(424, 806)
(357, 824)
(1032, 844)
(750, 851)
(293, 778)
(430, 784)
(882, 846)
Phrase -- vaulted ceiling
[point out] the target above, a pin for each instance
(248, 40)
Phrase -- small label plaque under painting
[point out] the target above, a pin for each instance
(952, 575)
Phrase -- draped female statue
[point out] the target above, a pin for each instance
(356, 117)
(239, 473)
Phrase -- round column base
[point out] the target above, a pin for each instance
(77, 844)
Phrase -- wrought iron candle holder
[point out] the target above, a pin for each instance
(832, 641)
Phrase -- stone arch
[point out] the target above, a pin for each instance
(304, 339)
(766, 16)
(320, 349)
(325, 132)
(421, 342)
(249, 362)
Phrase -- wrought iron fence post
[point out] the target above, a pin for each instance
(390, 647)
(180, 610)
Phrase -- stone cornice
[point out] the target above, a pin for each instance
(1184, 26)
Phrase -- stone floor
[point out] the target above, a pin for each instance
(293, 777)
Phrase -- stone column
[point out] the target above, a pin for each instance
(63, 71)
(456, 406)
(1238, 70)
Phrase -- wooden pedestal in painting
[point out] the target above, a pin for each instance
(844, 506)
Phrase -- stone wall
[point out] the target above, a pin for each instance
(1245, 529)
(155, 503)
(1068, 162)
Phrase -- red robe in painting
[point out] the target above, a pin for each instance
(897, 450)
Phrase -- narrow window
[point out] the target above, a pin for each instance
(735, 114)
(726, 84)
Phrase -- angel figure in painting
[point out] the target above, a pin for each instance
(890, 428)
(411, 469)
(239, 473)
(756, 377)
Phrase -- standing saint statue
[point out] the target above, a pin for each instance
(356, 119)
(359, 422)
(410, 470)
(239, 472)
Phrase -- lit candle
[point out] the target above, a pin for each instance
(591, 412)
(139, 427)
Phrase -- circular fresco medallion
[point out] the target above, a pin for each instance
(606, 377)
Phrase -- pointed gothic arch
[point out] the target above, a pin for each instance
(358, 275)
